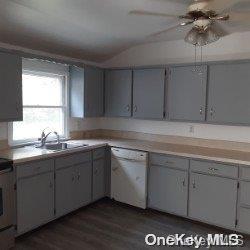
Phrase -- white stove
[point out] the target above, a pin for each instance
(6, 204)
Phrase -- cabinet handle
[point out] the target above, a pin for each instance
(114, 169)
(184, 183)
(201, 111)
(128, 107)
(211, 111)
(135, 108)
(194, 185)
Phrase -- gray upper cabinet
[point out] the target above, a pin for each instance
(10, 87)
(229, 88)
(86, 92)
(118, 93)
(149, 93)
(187, 93)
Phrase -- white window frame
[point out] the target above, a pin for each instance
(40, 68)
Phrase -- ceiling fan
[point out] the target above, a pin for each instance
(205, 16)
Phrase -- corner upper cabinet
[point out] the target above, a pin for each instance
(86, 92)
(229, 88)
(149, 93)
(10, 87)
(187, 93)
(118, 93)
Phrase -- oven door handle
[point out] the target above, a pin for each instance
(7, 170)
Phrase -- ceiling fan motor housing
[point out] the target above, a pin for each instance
(199, 7)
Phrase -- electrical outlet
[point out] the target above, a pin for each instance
(191, 129)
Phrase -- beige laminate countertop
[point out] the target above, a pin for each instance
(26, 154)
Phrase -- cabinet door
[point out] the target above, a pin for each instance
(168, 190)
(65, 188)
(149, 93)
(10, 87)
(99, 180)
(93, 92)
(187, 93)
(82, 190)
(118, 92)
(35, 201)
(76, 92)
(229, 88)
(213, 199)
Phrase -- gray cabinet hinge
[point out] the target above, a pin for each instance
(164, 114)
(236, 222)
(238, 185)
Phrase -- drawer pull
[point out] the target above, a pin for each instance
(213, 169)
(194, 186)
(169, 162)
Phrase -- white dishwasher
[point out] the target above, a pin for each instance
(129, 176)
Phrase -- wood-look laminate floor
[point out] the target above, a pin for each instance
(110, 225)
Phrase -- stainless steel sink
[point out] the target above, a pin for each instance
(62, 146)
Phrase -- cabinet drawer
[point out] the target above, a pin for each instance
(244, 193)
(99, 153)
(245, 173)
(244, 219)
(214, 168)
(34, 168)
(169, 161)
(73, 159)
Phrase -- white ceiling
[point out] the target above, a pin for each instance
(93, 30)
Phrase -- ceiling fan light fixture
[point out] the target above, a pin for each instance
(212, 35)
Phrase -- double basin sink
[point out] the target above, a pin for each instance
(61, 146)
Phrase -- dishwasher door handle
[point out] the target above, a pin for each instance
(128, 159)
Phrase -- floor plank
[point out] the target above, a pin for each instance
(110, 225)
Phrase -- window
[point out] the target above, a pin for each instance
(44, 105)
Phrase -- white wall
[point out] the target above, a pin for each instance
(234, 46)
(205, 131)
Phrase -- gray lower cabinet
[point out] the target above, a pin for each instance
(99, 179)
(73, 187)
(10, 87)
(118, 93)
(86, 92)
(168, 189)
(35, 201)
(228, 97)
(149, 93)
(186, 97)
(212, 199)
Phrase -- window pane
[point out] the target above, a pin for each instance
(42, 90)
(37, 119)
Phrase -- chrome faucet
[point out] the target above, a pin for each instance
(45, 136)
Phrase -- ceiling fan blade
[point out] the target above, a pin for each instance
(219, 29)
(149, 13)
(222, 5)
(240, 17)
(170, 28)
(220, 18)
